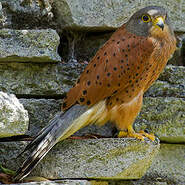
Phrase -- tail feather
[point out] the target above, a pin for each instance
(60, 127)
(47, 138)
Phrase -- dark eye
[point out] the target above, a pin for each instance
(146, 18)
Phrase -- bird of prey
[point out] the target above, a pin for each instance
(112, 85)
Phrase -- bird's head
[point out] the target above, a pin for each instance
(149, 21)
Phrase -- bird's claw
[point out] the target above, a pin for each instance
(131, 133)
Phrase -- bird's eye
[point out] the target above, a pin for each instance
(146, 18)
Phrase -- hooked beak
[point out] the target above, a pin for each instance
(159, 21)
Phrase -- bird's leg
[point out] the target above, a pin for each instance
(124, 117)
(131, 133)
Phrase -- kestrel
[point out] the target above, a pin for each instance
(112, 85)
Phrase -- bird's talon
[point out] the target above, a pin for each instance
(150, 136)
(141, 135)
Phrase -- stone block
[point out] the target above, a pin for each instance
(29, 45)
(106, 15)
(98, 158)
(165, 117)
(14, 118)
(21, 14)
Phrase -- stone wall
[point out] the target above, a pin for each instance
(45, 45)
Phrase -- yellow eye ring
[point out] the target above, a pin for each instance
(146, 18)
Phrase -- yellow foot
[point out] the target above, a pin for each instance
(149, 136)
(131, 133)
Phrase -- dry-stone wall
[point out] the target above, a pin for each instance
(44, 46)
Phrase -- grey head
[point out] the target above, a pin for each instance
(142, 21)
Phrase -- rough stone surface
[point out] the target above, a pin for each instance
(169, 164)
(59, 182)
(89, 158)
(100, 158)
(164, 117)
(171, 83)
(97, 15)
(14, 118)
(40, 112)
(29, 45)
(37, 79)
(23, 14)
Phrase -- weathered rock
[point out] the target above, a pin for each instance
(164, 117)
(14, 118)
(23, 14)
(40, 112)
(100, 158)
(104, 15)
(171, 83)
(61, 182)
(169, 164)
(29, 45)
(37, 79)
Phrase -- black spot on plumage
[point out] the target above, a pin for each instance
(118, 42)
(94, 65)
(88, 102)
(108, 74)
(114, 54)
(82, 100)
(107, 60)
(137, 74)
(84, 92)
(119, 76)
(113, 40)
(98, 77)
(123, 39)
(128, 68)
(129, 76)
(138, 67)
(117, 99)
(123, 50)
(128, 46)
(127, 64)
(78, 81)
(108, 85)
(126, 55)
(98, 57)
(136, 81)
(100, 83)
(122, 61)
(119, 84)
(89, 83)
(87, 71)
(105, 53)
(115, 92)
(126, 91)
(115, 68)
